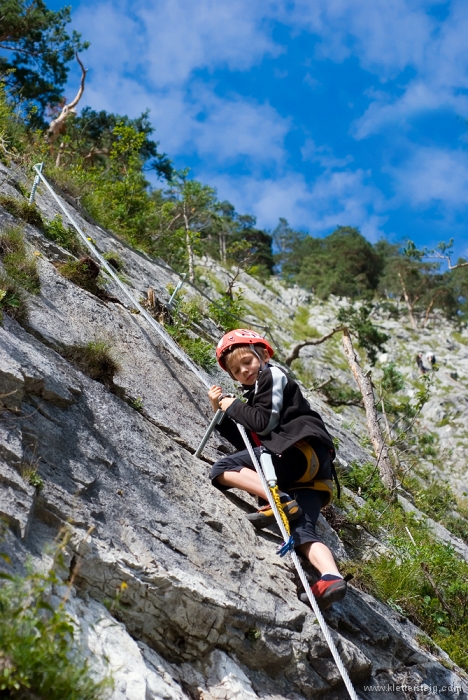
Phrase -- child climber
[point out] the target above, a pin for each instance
(281, 422)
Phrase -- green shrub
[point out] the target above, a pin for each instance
(20, 266)
(28, 471)
(94, 359)
(38, 655)
(457, 526)
(339, 394)
(417, 572)
(21, 209)
(63, 235)
(301, 329)
(365, 480)
(227, 311)
(183, 315)
(199, 350)
(436, 499)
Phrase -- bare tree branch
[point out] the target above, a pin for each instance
(447, 258)
(330, 379)
(57, 126)
(430, 306)
(294, 354)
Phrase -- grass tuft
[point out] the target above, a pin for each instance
(417, 575)
(114, 260)
(12, 299)
(84, 272)
(94, 359)
(20, 266)
(20, 274)
(21, 209)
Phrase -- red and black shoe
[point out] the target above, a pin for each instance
(328, 590)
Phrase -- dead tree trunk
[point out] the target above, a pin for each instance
(58, 126)
(188, 243)
(364, 383)
(409, 305)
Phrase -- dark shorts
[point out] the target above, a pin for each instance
(289, 469)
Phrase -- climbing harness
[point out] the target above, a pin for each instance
(267, 464)
(287, 538)
(308, 480)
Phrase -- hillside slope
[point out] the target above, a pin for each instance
(208, 610)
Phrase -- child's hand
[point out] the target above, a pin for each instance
(214, 395)
(226, 402)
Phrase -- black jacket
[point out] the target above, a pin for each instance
(277, 412)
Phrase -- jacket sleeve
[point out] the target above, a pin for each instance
(264, 415)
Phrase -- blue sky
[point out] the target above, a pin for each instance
(325, 112)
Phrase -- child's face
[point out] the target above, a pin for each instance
(245, 369)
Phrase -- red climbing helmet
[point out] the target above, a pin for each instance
(240, 336)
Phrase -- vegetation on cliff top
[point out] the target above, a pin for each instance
(102, 159)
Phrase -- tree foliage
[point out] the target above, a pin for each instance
(92, 136)
(230, 235)
(343, 263)
(36, 49)
(103, 159)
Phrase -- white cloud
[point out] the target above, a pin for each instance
(434, 176)
(334, 199)
(238, 127)
(143, 55)
(323, 155)
(386, 35)
(311, 81)
(153, 54)
(169, 39)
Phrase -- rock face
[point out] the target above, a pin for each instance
(208, 610)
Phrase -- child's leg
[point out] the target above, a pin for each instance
(245, 479)
(237, 471)
(304, 531)
(331, 587)
(319, 556)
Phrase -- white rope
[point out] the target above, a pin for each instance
(300, 570)
(190, 365)
(111, 272)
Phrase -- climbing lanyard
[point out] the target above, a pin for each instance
(271, 493)
(299, 569)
